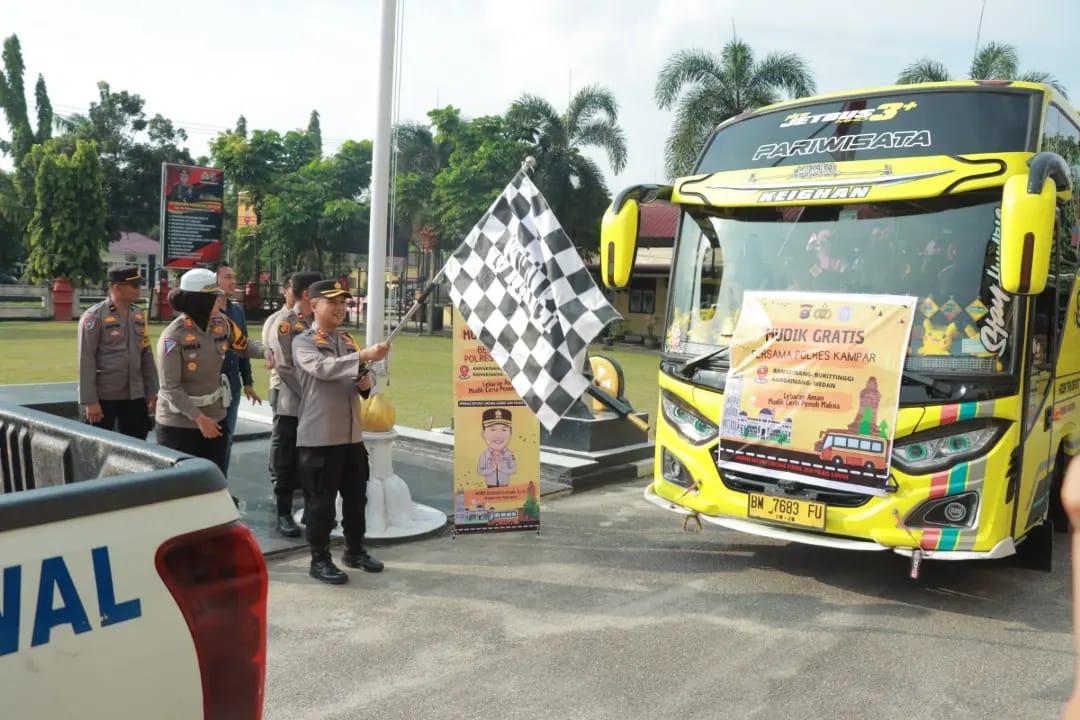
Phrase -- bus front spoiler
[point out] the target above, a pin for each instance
(1003, 549)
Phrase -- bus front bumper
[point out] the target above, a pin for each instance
(1003, 549)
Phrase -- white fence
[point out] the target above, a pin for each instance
(35, 302)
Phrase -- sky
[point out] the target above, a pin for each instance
(273, 61)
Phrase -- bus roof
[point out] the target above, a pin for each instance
(973, 85)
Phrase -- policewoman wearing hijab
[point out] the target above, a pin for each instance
(194, 394)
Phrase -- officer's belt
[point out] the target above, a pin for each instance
(223, 393)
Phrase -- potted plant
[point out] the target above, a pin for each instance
(651, 341)
(615, 331)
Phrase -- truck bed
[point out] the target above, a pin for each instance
(128, 587)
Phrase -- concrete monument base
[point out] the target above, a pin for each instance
(391, 513)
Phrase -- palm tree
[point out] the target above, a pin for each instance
(710, 89)
(418, 158)
(572, 182)
(993, 61)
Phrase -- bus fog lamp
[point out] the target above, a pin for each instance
(955, 512)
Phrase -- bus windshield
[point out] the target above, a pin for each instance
(943, 252)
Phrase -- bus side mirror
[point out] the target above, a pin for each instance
(618, 243)
(1027, 235)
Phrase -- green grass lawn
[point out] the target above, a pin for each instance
(420, 388)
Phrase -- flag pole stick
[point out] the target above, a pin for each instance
(416, 305)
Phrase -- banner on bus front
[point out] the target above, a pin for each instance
(814, 387)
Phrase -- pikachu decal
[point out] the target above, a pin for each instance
(937, 340)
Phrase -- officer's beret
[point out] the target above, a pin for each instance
(128, 274)
(327, 289)
(496, 416)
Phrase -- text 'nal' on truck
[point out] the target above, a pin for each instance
(128, 586)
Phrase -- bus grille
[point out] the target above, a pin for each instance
(748, 483)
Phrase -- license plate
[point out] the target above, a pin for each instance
(804, 513)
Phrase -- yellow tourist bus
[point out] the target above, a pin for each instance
(956, 198)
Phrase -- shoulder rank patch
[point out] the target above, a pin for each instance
(283, 327)
(349, 342)
(169, 344)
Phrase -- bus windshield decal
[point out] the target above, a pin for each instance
(901, 125)
(845, 143)
(994, 334)
(884, 111)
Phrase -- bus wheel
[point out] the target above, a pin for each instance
(1036, 550)
(1056, 513)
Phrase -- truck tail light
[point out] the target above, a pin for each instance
(218, 578)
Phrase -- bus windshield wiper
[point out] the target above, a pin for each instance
(938, 386)
(693, 363)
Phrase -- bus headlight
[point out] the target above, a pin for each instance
(687, 421)
(942, 448)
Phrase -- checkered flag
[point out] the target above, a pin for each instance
(523, 290)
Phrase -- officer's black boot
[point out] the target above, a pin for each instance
(361, 560)
(324, 569)
(287, 527)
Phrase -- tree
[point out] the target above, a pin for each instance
(255, 164)
(67, 232)
(132, 147)
(484, 159)
(318, 208)
(708, 90)
(11, 232)
(13, 101)
(17, 191)
(993, 61)
(865, 427)
(571, 182)
(419, 158)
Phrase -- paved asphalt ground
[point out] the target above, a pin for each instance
(613, 611)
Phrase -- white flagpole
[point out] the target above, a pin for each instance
(380, 180)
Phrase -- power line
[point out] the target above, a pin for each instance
(202, 129)
(978, 32)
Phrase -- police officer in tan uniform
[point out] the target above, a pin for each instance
(118, 382)
(291, 322)
(333, 377)
(194, 394)
(269, 326)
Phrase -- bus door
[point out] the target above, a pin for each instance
(1038, 417)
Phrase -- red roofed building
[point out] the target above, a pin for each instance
(657, 222)
(644, 300)
(134, 249)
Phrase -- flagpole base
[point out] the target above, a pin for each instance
(391, 513)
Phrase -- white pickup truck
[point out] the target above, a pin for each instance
(128, 586)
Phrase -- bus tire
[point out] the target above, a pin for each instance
(1056, 513)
